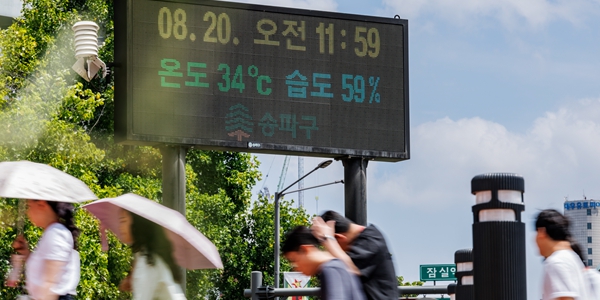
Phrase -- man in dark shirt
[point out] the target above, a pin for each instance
(363, 250)
(337, 283)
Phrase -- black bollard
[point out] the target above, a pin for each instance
(452, 291)
(499, 237)
(464, 274)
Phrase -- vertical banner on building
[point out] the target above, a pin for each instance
(296, 280)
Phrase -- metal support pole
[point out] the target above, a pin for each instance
(173, 177)
(173, 184)
(301, 182)
(277, 229)
(355, 189)
(255, 283)
(255, 292)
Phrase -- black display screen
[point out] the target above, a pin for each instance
(221, 75)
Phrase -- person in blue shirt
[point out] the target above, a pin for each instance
(301, 249)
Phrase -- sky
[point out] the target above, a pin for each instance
(495, 86)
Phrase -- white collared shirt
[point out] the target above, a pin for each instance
(55, 244)
(564, 276)
(154, 281)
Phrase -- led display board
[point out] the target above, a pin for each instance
(238, 77)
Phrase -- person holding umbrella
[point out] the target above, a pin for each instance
(53, 268)
(161, 238)
(155, 274)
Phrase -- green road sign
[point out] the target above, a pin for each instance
(438, 272)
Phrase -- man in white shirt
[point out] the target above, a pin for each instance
(592, 275)
(564, 272)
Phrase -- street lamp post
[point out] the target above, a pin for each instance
(278, 195)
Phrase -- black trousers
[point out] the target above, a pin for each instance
(66, 297)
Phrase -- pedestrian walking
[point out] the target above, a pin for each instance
(154, 273)
(53, 267)
(363, 249)
(301, 249)
(161, 240)
(564, 272)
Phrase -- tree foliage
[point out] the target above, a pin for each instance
(408, 283)
(50, 115)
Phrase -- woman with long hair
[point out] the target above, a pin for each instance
(155, 275)
(53, 267)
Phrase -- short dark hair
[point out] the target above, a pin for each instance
(342, 224)
(556, 225)
(299, 236)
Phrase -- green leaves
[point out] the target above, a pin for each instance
(408, 283)
(242, 231)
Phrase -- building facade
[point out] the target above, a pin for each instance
(8, 11)
(585, 227)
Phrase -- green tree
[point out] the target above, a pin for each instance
(408, 283)
(50, 115)
(244, 238)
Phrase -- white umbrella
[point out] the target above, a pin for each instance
(29, 180)
(191, 249)
(35, 181)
